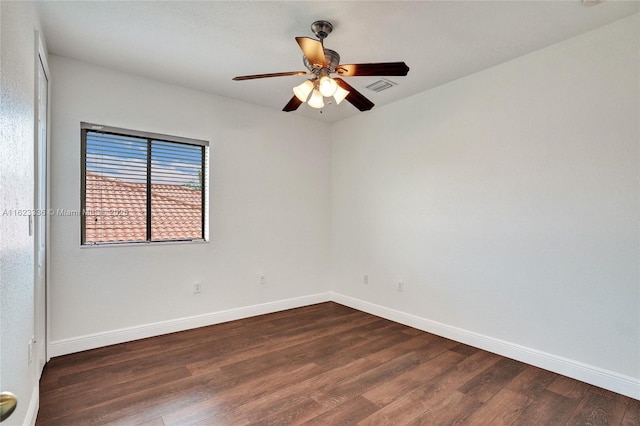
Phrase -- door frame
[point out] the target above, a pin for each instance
(42, 317)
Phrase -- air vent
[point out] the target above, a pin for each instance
(381, 85)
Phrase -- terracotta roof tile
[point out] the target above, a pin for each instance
(115, 211)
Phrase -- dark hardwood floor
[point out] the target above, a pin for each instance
(324, 364)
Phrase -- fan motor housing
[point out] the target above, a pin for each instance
(332, 57)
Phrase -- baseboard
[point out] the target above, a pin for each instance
(34, 404)
(596, 376)
(112, 337)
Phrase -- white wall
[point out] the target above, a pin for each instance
(17, 94)
(506, 201)
(269, 180)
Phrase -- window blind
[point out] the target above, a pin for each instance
(141, 189)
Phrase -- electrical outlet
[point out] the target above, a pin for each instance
(400, 286)
(365, 279)
(263, 280)
(197, 288)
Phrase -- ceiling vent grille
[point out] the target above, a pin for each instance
(380, 85)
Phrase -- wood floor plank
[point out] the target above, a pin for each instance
(412, 379)
(463, 349)
(632, 415)
(348, 413)
(569, 388)
(547, 409)
(501, 410)
(455, 408)
(411, 405)
(335, 328)
(145, 405)
(600, 407)
(532, 381)
(486, 384)
(290, 412)
(321, 364)
(347, 350)
(153, 422)
(375, 377)
(425, 346)
(93, 393)
(216, 407)
(301, 391)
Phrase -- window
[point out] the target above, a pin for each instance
(142, 187)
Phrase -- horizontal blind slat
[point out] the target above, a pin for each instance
(176, 173)
(116, 181)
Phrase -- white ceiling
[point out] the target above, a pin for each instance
(203, 45)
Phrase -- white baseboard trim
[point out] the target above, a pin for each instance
(112, 337)
(596, 376)
(34, 404)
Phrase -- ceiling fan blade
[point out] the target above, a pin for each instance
(313, 51)
(273, 74)
(354, 97)
(382, 68)
(292, 105)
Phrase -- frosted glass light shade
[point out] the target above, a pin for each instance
(302, 91)
(316, 100)
(327, 86)
(340, 94)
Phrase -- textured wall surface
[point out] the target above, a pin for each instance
(16, 195)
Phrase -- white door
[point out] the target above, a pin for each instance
(40, 285)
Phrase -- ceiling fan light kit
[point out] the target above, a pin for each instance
(313, 91)
(303, 90)
(327, 86)
(321, 63)
(316, 100)
(340, 94)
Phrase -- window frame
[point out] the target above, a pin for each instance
(150, 137)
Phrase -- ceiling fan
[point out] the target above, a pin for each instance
(322, 63)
